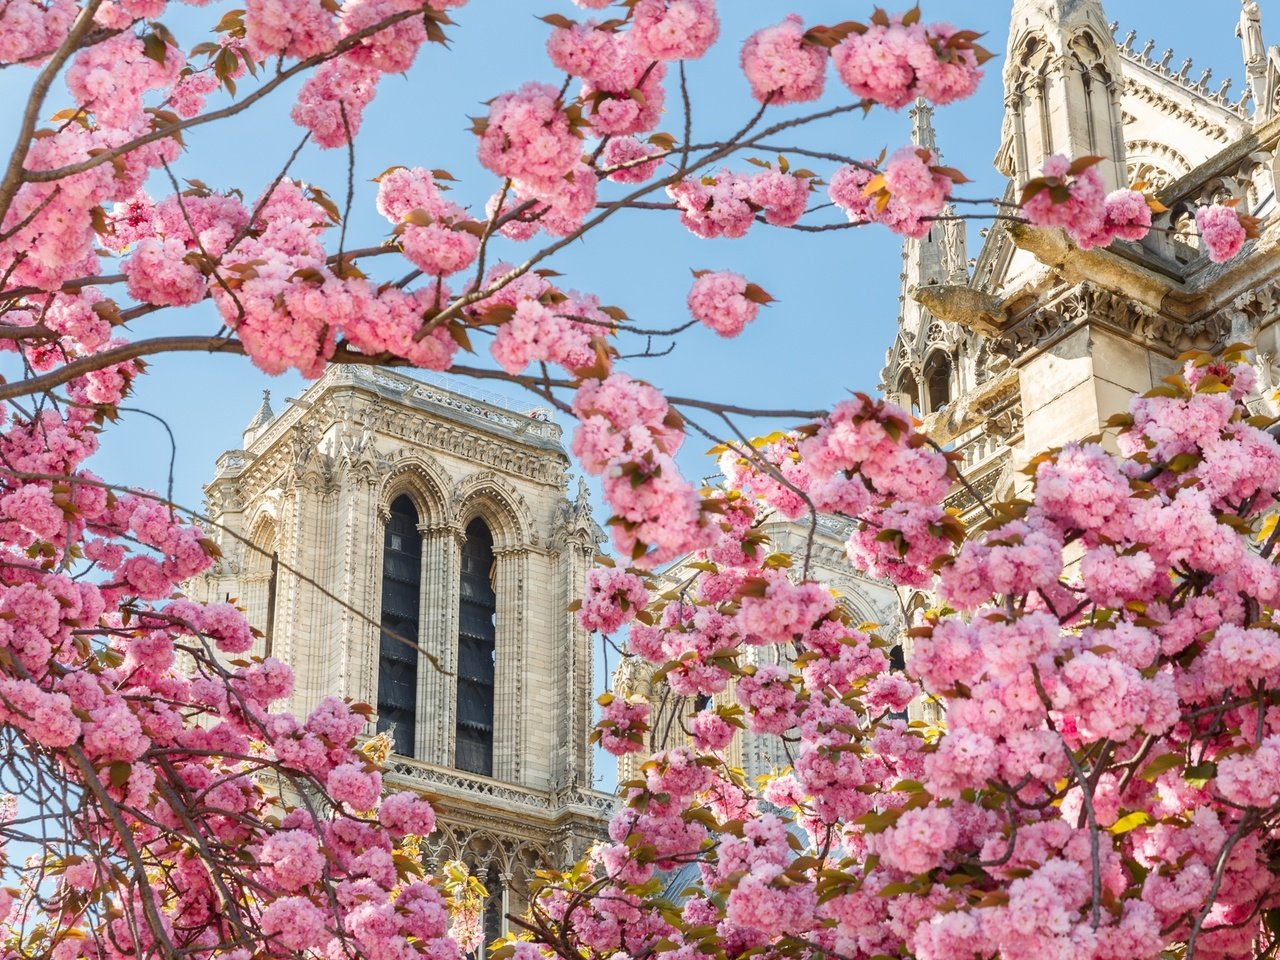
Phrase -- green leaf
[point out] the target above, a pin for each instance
(1160, 765)
(1200, 774)
(153, 47)
(1131, 822)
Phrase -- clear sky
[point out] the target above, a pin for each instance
(837, 292)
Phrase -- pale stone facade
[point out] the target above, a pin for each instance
(303, 512)
(1040, 342)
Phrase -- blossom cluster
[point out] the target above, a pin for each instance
(727, 204)
(725, 301)
(894, 60)
(1081, 798)
(907, 197)
(628, 434)
(164, 715)
(1070, 194)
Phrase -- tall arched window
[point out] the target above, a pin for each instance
(398, 653)
(937, 378)
(897, 664)
(909, 392)
(493, 913)
(262, 582)
(477, 653)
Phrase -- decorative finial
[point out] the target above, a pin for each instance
(922, 134)
(261, 418)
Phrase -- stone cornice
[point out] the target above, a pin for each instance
(404, 426)
(497, 799)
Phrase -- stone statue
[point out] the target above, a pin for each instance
(1250, 33)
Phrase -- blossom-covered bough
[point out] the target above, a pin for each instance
(1107, 779)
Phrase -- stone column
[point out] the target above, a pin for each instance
(438, 636)
(1119, 165)
(511, 585)
(1039, 143)
(1013, 106)
(1067, 119)
(291, 629)
(576, 680)
(359, 585)
(505, 880)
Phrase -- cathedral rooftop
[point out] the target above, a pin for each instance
(1162, 68)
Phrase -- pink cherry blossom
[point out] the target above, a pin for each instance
(724, 302)
(673, 29)
(1221, 231)
(527, 137)
(612, 598)
(781, 67)
(894, 64)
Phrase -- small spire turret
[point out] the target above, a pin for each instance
(260, 420)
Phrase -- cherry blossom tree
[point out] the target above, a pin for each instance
(1105, 782)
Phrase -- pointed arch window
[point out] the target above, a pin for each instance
(477, 653)
(494, 919)
(937, 378)
(898, 664)
(909, 393)
(273, 585)
(262, 569)
(398, 650)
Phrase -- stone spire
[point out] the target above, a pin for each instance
(939, 257)
(922, 134)
(1062, 88)
(260, 419)
(1256, 59)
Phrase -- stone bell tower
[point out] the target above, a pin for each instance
(412, 546)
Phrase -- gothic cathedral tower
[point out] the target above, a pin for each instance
(405, 545)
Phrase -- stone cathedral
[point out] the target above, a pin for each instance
(378, 512)
(1035, 342)
(378, 509)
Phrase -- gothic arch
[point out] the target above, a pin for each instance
(936, 335)
(263, 538)
(487, 496)
(481, 849)
(1156, 163)
(1033, 54)
(1087, 48)
(260, 569)
(422, 482)
(908, 391)
(856, 607)
(939, 380)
